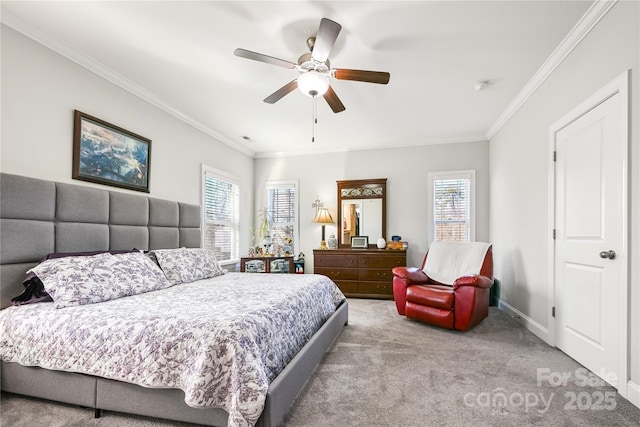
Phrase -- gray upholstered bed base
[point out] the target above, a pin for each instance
(109, 395)
(38, 217)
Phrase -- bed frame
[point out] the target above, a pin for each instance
(38, 217)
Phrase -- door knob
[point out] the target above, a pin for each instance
(608, 254)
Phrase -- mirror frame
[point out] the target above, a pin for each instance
(366, 186)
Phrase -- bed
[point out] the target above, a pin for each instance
(41, 217)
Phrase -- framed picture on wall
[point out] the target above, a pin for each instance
(107, 154)
(360, 242)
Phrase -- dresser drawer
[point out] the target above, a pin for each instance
(347, 286)
(362, 273)
(375, 288)
(336, 273)
(384, 261)
(336, 260)
(375, 275)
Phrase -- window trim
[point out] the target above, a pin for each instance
(454, 174)
(296, 221)
(232, 179)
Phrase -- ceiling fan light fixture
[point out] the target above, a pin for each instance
(313, 84)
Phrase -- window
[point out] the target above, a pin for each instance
(452, 195)
(282, 207)
(220, 215)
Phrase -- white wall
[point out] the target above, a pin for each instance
(406, 171)
(40, 91)
(520, 164)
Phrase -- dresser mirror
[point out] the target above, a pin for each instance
(362, 209)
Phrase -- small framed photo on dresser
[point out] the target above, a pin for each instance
(359, 242)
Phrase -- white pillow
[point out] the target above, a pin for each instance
(91, 279)
(186, 265)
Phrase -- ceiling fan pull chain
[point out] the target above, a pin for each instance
(314, 119)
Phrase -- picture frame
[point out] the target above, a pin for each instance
(359, 242)
(107, 154)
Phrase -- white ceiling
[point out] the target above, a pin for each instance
(179, 55)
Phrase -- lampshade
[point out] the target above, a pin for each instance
(312, 83)
(323, 217)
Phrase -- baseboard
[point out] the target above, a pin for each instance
(633, 389)
(531, 325)
(633, 393)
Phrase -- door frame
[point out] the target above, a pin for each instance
(618, 86)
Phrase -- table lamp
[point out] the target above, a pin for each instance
(323, 217)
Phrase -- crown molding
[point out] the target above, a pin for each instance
(596, 12)
(316, 151)
(11, 20)
(589, 20)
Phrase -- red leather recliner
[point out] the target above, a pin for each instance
(460, 300)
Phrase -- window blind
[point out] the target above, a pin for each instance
(283, 207)
(221, 225)
(452, 209)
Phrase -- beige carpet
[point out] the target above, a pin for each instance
(386, 370)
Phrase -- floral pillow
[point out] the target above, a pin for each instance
(90, 279)
(34, 289)
(186, 265)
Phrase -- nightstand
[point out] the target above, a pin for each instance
(271, 264)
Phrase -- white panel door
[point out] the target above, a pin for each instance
(589, 214)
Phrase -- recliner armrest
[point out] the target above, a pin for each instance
(473, 280)
(411, 275)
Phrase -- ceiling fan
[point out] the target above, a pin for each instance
(315, 70)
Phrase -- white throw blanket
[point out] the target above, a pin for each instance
(449, 260)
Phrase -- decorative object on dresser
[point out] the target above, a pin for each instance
(107, 154)
(360, 242)
(396, 245)
(364, 273)
(362, 209)
(267, 264)
(332, 242)
(323, 217)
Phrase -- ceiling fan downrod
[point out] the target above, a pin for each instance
(311, 41)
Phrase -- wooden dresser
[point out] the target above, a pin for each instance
(364, 273)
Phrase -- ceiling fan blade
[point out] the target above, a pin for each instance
(280, 93)
(325, 39)
(243, 53)
(380, 77)
(333, 100)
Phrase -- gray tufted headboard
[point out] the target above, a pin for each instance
(38, 217)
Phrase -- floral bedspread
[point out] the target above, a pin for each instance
(221, 340)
